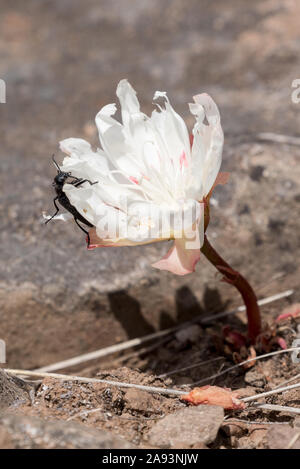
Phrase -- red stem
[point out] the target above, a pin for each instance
(235, 278)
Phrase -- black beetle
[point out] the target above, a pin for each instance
(61, 197)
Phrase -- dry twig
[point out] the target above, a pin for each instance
(275, 407)
(119, 384)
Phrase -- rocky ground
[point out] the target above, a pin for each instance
(61, 61)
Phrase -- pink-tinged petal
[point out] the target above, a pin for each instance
(96, 242)
(221, 180)
(183, 160)
(179, 260)
(134, 180)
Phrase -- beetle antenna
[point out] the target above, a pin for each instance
(53, 159)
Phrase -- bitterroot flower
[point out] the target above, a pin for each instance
(150, 182)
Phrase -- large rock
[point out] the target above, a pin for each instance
(26, 432)
(189, 427)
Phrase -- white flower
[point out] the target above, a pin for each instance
(151, 183)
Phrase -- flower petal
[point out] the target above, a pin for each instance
(221, 180)
(98, 242)
(207, 145)
(179, 260)
(86, 200)
(75, 146)
(128, 101)
(82, 161)
(175, 137)
(113, 142)
(139, 132)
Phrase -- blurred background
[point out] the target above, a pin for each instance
(61, 61)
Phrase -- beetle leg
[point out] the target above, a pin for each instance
(76, 179)
(81, 181)
(57, 210)
(82, 229)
